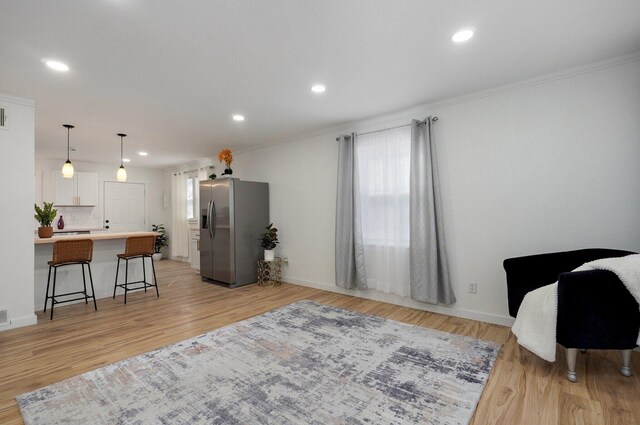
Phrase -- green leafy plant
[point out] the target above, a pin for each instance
(45, 215)
(161, 240)
(269, 239)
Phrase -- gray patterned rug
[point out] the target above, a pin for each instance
(305, 363)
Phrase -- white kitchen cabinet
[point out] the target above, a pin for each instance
(65, 191)
(78, 191)
(194, 249)
(86, 188)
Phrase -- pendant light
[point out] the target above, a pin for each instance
(122, 173)
(67, 168)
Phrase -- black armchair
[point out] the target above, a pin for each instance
(588, 316)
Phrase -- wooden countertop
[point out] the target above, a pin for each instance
(95, 236)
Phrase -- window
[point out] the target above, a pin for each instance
(382, 170)
(192, 185)
(382, 161)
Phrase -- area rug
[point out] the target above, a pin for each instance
(305, 363)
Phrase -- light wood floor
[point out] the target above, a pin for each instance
(522, 389)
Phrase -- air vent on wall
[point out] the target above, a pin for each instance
(3, 117)
(4, 317)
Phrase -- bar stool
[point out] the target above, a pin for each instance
(67, 253)
(137, 247)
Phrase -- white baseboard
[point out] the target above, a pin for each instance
(371, 294)
(19, 322)
(172, 257)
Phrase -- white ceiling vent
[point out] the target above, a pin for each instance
(3, 117)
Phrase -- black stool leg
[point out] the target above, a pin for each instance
(144, 274)
(126, 279)
(155, 279)
(84, 282)
(93, 291)
(46, 297)
(115, 285)
(53, 292)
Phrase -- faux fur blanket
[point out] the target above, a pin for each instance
(535, 325)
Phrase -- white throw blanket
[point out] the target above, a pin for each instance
(535, 325)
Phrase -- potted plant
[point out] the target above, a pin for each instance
(269, 239)
(161, 240)
(226, 156)
(45, 217)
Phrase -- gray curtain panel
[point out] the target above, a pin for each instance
(429, 269)
(349, 247)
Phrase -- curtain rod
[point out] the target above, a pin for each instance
(434, 119)
(204, 168)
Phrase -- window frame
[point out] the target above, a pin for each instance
(193, 176)
(380, 193)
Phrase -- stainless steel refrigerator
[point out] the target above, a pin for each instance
(233, 213)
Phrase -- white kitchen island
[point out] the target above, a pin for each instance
(103, 266)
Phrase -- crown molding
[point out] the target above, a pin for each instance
(17, 100)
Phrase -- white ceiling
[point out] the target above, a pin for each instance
(171, 73)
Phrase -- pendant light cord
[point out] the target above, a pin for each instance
(122, 136)
(68, 129)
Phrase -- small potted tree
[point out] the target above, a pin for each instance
(268, 240)
(161, 240)
(45, 217)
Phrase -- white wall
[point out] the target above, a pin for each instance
(92, 217)
(16, 211)
(545, 165)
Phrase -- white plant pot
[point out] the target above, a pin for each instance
(157, 256)
(269, 255)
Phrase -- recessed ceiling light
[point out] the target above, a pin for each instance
(57, 66)
(318, 88)
(462, 35)
(141, 153)
(238, 117)
(126, 160)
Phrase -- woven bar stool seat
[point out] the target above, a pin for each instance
(137, 247)
(67, 253)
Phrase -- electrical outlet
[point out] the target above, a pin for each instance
(473, 288)
(285, 260)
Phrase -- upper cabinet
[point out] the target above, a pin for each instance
(86, 188)
(79, 191)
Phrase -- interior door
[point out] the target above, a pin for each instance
(124, 206)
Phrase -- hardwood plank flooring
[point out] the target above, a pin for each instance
(522, 388)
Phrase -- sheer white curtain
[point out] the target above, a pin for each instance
(382, 162)
(179, 226)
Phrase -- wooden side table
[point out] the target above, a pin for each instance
(270, 272)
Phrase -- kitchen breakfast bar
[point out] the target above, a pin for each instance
(106, 246)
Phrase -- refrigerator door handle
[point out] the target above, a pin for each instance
(206, 219)
(212, 228)
(211, 222)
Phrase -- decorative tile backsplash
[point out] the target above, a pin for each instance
(78, 218)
